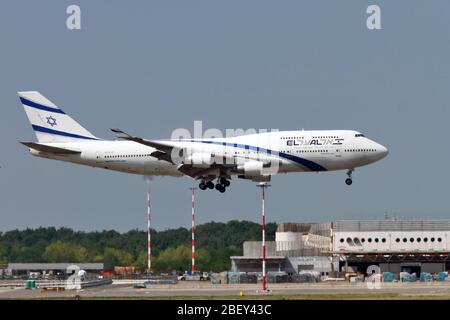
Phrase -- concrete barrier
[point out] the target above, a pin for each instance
(40, 284)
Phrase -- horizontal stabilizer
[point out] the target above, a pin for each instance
(49, 149)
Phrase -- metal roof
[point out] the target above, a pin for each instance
(391, 225)
(54, 266)
(258, 258)
(294, 227)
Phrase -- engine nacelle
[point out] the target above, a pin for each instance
(200, 160)
(251, 168)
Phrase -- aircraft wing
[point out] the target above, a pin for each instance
(49, 149)
(195, 172)
(163, 151)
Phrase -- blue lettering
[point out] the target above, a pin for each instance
(338, 141)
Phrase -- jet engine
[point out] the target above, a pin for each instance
(251, 168)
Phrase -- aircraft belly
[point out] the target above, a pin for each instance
(161, 168)
(123, 166)
(289, 166)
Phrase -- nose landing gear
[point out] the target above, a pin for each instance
(349, 180)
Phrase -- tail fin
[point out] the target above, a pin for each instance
(49, 122)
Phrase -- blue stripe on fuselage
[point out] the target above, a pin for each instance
(40, 106)
(60, 133)
(311, 165)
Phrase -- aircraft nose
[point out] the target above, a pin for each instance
(383, 151)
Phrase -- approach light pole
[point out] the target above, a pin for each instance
(193, 228)
(149, 236)
(263, 186)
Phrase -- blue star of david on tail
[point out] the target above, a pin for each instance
(51, 121)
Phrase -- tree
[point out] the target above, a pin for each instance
(3, 259)
(216, 242)
(114, 257)
(59, 251)
(178, 258)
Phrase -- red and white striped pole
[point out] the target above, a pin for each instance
(263, 186)
(331, 246)
(149, 236)
(193, 228)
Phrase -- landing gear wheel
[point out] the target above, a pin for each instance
(220, 187)
(210, 185)
(202, 185)
(349, 180)
(225, 182)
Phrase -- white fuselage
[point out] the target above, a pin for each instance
(294, 151)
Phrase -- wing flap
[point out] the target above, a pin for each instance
(162, 152)
(161, 155)
(195, 173)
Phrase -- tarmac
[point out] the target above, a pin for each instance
(203, 290)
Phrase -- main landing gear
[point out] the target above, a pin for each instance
(206, 185)
(220, 186)
(349, 180)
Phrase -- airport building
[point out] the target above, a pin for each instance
(412, 246)
(297, 247)
(48, 269)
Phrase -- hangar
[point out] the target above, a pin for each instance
(412, 246)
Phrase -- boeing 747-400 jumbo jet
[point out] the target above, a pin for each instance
(255, 157)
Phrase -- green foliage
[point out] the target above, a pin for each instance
(3, 259)
(216, 242)
(59, 251)
(173, 258)
(115, 257)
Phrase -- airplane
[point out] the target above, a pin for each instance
(254, 157)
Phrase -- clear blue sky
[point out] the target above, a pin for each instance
(153, 66)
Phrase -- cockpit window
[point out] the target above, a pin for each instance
(359, 135)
